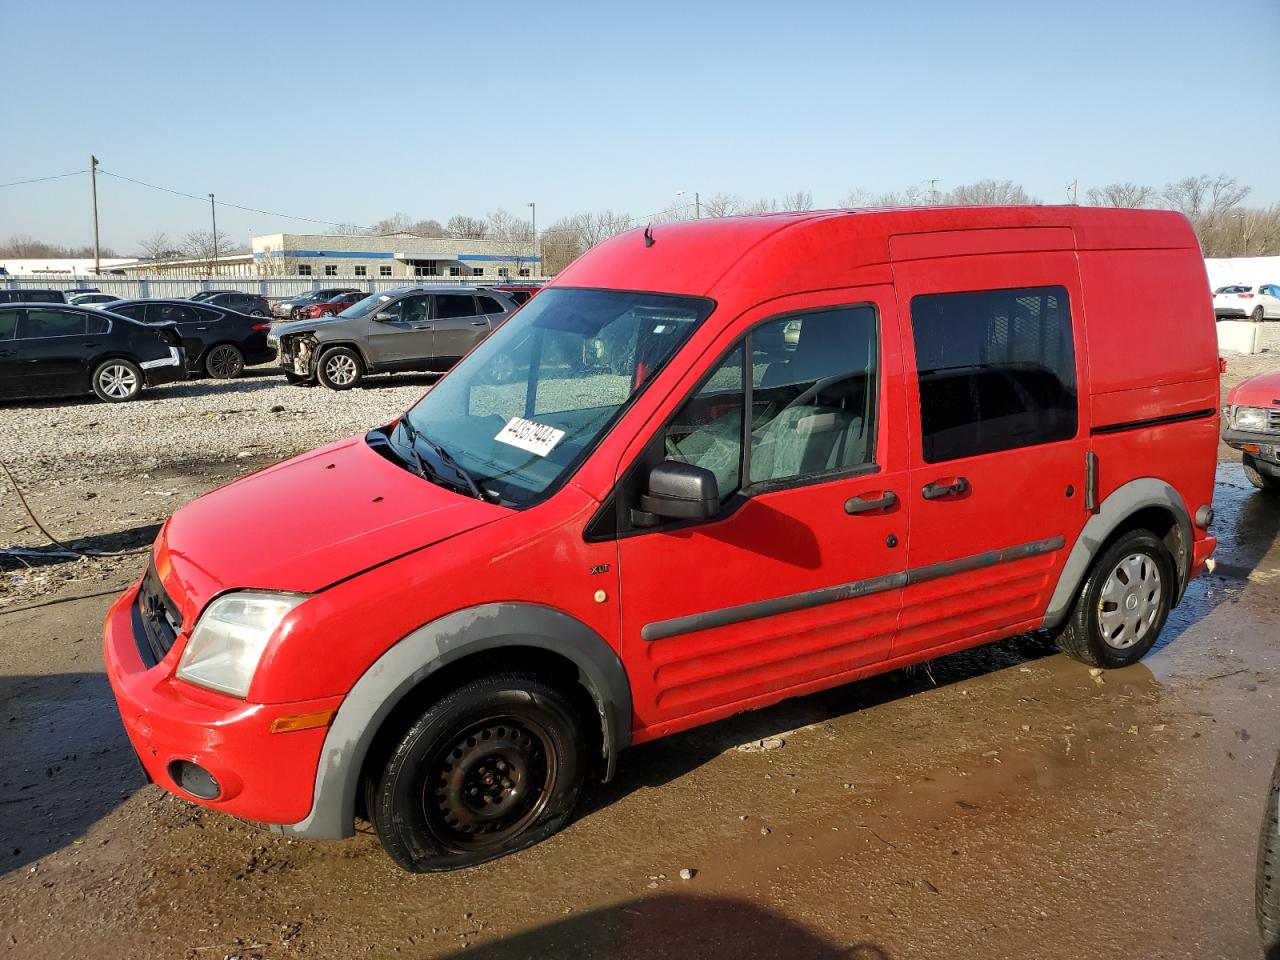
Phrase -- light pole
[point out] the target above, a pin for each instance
(213, 210)
(93, 180)
(697, 203)
(533, 220)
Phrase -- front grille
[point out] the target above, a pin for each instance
(157, 618)
(1273, 421)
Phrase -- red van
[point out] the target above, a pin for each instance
(741, 460)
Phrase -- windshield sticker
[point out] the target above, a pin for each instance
(535, 437)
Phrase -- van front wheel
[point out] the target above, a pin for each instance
(491, 768)
(1123, 604)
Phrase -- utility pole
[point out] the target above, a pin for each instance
(932, 192)
(213, 210)
(533, 219)
(93, 181)
(697, 206)
(1075, 193)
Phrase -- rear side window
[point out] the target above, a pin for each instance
(171, 313)
(996, 370)
(8, 323)
(96, 324)
(489, 305)
(39, 324)
(454, 305)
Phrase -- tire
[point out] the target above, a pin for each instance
(340, 368)
(1257, 314)
(116, 381)
(1123, 603)
(224, 361)
(257, 313)
(467, 744)
(1259, 480)
(1267, 882)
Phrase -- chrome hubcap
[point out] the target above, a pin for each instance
(117, 381)
(340, 369)
(1130, 601)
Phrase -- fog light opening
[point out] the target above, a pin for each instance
(194, 779)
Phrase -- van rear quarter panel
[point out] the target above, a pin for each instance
(1153, 353)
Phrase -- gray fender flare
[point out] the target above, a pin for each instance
(1123, 503)
(426, 650)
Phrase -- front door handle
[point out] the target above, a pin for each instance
(866, 505)
(948, 488)
(479, 323)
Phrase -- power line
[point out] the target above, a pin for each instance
(56, 176)
(234, 206)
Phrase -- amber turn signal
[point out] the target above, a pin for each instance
(303, 721)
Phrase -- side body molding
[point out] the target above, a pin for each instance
(1122, 503)
(426, 650)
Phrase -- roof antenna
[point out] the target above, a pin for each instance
(648, 235)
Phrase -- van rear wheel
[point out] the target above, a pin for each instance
(1123, 603)
(491, 768)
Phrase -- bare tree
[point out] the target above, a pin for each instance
(1125, 194)
(799, 200)
(427, 228)
(989, 193)
(157, 246)
(199, 245)
(396, 223)
(721, 205)
(1204, 196)
(466, 228)
(516, 234)
(561, 244)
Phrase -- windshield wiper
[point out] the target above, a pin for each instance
(419, 464)
(454, 465)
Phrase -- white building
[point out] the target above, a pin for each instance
(400, 255)
(56, 269)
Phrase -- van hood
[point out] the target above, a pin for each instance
(307, 523)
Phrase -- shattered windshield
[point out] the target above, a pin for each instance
(524, 408)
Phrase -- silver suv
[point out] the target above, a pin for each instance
(408, 328)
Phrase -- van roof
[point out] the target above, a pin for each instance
(830, 246)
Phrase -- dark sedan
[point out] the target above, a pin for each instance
(219, 342)
(53, 350)
(250, 304)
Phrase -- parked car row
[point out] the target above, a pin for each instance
(52, 347)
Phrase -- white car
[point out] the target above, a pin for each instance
(1247, 301)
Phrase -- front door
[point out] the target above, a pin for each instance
(995, 373)
(797, 583)
(459, 326)
(400, 333)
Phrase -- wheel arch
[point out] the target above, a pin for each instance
(1145, 503)
(448, 651)
(324, 346)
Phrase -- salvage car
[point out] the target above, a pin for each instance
(469, 611)
(219, 342)
(408, 328)
(54, 350)
(287, 309)
(1251, 421)
(331, 306)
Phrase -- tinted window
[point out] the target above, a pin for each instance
(96, 324)
(996, 370)
(172, 313)
(489, 305)
(412, 309)
(132, 310)
(35, 324)
(8, 324)
(454, 305)
(519, 296)
(812, 402)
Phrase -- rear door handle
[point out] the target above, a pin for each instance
(938, 489)
(479, 323)
(866, 505)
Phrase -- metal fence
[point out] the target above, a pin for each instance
(273, 288)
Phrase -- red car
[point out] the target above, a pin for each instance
(1252, 426)
(838, 443)
(330, 307)
(519, 292)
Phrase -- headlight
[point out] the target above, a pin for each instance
(1249, 418)
(229, 638)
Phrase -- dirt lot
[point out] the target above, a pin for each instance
(1003, 803)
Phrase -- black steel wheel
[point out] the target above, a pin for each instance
(224, 362)
(489, 769)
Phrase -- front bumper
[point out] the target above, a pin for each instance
(296, 355)
(1264, 448)
(263, 776)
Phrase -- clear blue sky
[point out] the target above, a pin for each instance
(353, 111)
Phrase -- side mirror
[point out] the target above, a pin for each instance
(678, 491)
(383, 317)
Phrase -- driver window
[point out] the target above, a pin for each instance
(812, 402)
